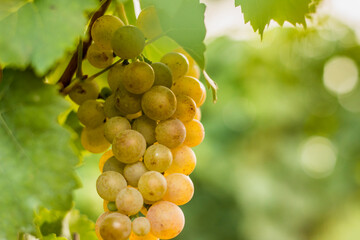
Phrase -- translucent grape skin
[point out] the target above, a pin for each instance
(146, 127)
(112, 164)
(109, 107)
(141, 226)
(148, 236)
(127, 102)
(129, 146)
(91, 113)
(180, 189)
(195, 133)
(148, 22)
(115, 226)
(166, 220)
(159, 103)
(170, 133)
(99, 58)
(109, 184)
(152, 186)
(189, 86)
(158, 158)
(104, 158)
(184, 161)
(138, 77)
(128, 42)
(93, 139)
(114, 126)
(103, 30)
(163, 75)
(203, 98)
(198, 114)
(129, 201)
(98, 222)
(115, 76)
(84, 91)
(177, 62)
(133, 172)
(185, 108)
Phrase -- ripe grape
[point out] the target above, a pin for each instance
(198, 114)
(93, 139)
(128, 42)
(98, 223)
(114, 126)
(203, 98)
(170, 133)
(166, 219)
(146, 127)
(109, 107)
(109, 184)
(177, 62)
(163, 75)
(133, 172)
(91, 113)
(189, 86)
(115, 76)
(138, 77)
(98, 57)
(127, 102)
(159, 103)
(84, 91)
(103, 29)
(194, 71)
(129, 146)
(129, 201)
(104, 158)
(148, 236)
(105, 203)
(111, 206)
(112, 164)
(152, 185)
(195, 133)
(184, 160)
(141, 226)
(115, 226)
(158, 158)
(149, 23)
(185, 108)
(180, 189)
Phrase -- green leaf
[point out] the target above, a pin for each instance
(36, 158)
(159, 48)
(260, 12)
(81, 225)
(39, 32)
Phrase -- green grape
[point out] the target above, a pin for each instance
(98, 57)
(191, 87)
(163, 75)
(159, 103)
(111, 206)
(84, 91)
(146, 127)
(105, 93)
(170, 133)
(91, 113)
(114, 126)
(185, 108)
(195, 133)
(177, 62)
(108, 154)
(148, 236)
(180, 189)
(109, 107)
(127, 102)
(93, 140)
(103, 30)
(138, 77)
(112, 164)
(128, 42)
(115, 76)
(109, 184)
(152, 186)
(129, 201)
(149, 23)
(184, 160)
(140, 226)
(115, 226)
(166, 219)
(133, 172)
(129, 146)
(158, 158)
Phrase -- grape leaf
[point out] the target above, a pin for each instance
(260, 12)
(36, 158)
(39, 32)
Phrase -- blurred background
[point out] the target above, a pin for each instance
(281, 157)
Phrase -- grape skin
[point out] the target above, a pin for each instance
(170, 133)
(109, 184)
(128, 42)
(98, 57)
(184, 160)
(109, 107)
(99, 221)
(185, 108)
(195, 133)
(158, 158)
(189, 86)
(115, 226)
(152, 185)
(112, 164)
(104, 158)
(148, 22)
(93, 139)
(180, 189)
(129, 201)
(115, 76)
(163, 75)
(133, 172)
(127, 102)
(198, 114)
(91, 113)
(103, 30)
(148, 236)
(146, 127)
(114, 126)
(138, 77)
(84, 91)
(177, 62)
(141, 226)
(129, 146)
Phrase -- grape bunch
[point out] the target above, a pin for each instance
(151, 119)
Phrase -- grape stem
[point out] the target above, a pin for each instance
(122, 14)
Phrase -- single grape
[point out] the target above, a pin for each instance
(146, 127)
(104, 158)
(180, 189)
(149, 23)
(158, 158)
(203, 98)
(189, 86)
(115, 76)
(93, 139)
(194, 71)
(127, 102)
(105, 92)
(109, 107)
(129, 146)
(112, 164)
(115, 226)
(198, 114)
(99, 58)
(103, 30)
(99, 221)
(184, 160)
(185, 108)
(170, 133)
(140, 226)
(177, 62)
(138, 77)
(133, 172)
(148, 236)
(159, 103)
(128, 42)
(109, 184)
(114, 126)
(91, 113)
(166, 219)
(163, 75)
(129, 201)
(152, 185)
(84, 91)
(195, 133)
(112, 206)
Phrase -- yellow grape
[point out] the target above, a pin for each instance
(180, 189)
(99, 221)
(148, 236)
(198, 114)
(103, 29)
(115, 226)
(115, 76)
(112, 164)
(133, 116)
(141, 226)
(189, 86)
(163, 75)
(127, 102)
(110, 109)
(194, 71)
(109, 184)
(203, 98)
(143, 210)
(185, 108)
(114, 126)
(128, 42)
(129, 201)
(170, 133)
(91, 113)
(129, 146)
(152, 185)
(149, 23)
(98, 57)
(166, 220)
(178, 64)
(158, 158)
(188, 57)
(146, 127)
(138, 77)
(133, 172)
(105, 205)
(84, 91)
(93, 139)
(184, 160)
(104, 158)
(195, 133)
